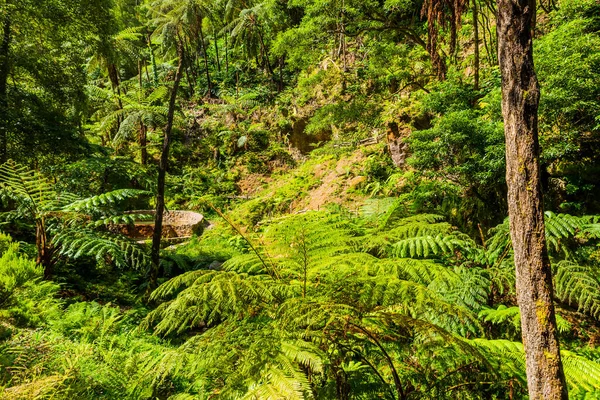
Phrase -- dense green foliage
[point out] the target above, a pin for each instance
(350, 160)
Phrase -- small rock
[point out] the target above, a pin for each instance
(215, 265)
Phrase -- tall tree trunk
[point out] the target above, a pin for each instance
(113, 75)
(216, 49)
(476, 43)
(140, 81)
(520, 98)
(44, 250)
(226, 53)
(162, 170)
(146, 69)
(265, 54)
(192, 63)
(153, 62)
(4, 71)
(205, 54)
(143, 144)
(281, 65)
(142, 136)
(189, 64)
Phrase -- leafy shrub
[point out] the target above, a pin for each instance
(24, 298)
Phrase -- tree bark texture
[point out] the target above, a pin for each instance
(520, 98)
(162, 170)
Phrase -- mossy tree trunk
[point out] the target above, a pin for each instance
(520, 98)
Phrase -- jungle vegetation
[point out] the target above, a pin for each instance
(401, 199)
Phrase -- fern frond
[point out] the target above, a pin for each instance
(375, 208)
(416, 270)
(212, 296)
(591, 229)
(78, 242)
(578, 286)
(582, 374)
(93, 203)
(417, 301)
(305, 354)
(29, 188)
(245, 263)
(470, 290)
(561, 226)
(393, 218)
(501, 315)
(424, 246)
(282, 379)
(121, 219)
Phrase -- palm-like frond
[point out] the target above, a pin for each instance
(30, 188)
(424, 246)
(94, 203)
(212, 296)
(103, 246)
(280, 379)
(501, 315)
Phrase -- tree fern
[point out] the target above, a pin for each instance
(396, 319)
(68, 220)
(212, 297)
(30, 189)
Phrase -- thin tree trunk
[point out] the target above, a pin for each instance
(476, 43)
(493, 43)
(44, 251)
(142, 137)
(153, 62)
(188, 62)
(146, 69)
(490, 58)
(192, 63)
(205, 54)
(140, 81)
(520, 98)
(143, 144)
(113, 75)
(281, 65)
(4, 71)
(265, 54)
(226, 53)
(162, 170)
(216, 50)
(4, 60)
